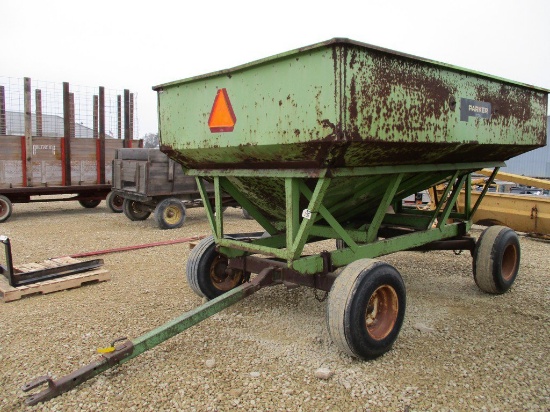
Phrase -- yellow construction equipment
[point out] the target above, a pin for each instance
(523, 213)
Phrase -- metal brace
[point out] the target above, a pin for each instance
(327, 267)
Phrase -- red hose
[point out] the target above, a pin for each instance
(126, 248)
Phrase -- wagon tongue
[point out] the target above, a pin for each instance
(122, 350)
(79, 376)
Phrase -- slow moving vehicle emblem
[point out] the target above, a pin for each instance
(222, 117)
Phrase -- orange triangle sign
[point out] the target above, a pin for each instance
(222, 118)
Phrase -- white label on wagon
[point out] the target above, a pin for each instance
(306, 214)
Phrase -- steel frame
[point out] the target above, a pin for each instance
(323, 221)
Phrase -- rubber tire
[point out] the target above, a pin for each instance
(89, 204)
(114, 202)
(496, 259)
(202, 260)
(135, 210)
(347, 306)
(5, 208)
(170, 213)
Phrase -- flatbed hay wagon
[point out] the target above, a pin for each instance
(53, 157)
(324, 142)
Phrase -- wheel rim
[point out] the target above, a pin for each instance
(118, 201)
(220, 279)
(137, 210)
(382, 311)
(172, 215)
(509, 262)
(4, 209)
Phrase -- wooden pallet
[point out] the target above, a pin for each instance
(9, 293)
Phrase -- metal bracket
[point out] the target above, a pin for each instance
(7, 269)
(39, 275)
(68, 382)
(19, 278)
(327, 262)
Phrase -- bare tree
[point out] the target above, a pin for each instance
(151, 140)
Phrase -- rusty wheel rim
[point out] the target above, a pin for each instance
(172, 215)
(509, 262)
(138, 209)
(3, 210)
(118, 201)
(382, 311)
(220, 279)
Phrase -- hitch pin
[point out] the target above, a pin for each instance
(111, 348)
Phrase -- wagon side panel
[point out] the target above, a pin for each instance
(278, 106)
(11, 162)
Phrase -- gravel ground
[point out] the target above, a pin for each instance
(475, 351)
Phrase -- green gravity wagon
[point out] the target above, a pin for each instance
(324, 143)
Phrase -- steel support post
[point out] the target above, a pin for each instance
(218, 208)
(310, 214)
(207, 207)
(387, 199)
(325, 214)
(292, 197)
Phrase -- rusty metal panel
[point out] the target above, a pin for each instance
(345, 104)
(276, 103)
(413, 104)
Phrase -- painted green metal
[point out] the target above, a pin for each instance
(387, 199)
(314, 264)
(188, 319)
(373, 195)
(319, 106)
(342, 130)
(350, 112)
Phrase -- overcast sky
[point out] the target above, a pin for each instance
(136, 45)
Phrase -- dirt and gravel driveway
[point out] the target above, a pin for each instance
(459, 349)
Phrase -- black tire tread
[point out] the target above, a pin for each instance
(346, 305)
(110, 200)
(338, 298)
(193, 261)
(89, 204)
(486, 270)
(126, 208)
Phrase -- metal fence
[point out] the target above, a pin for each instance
(59, 108)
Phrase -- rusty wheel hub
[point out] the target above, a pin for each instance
(118, 201)
(382, 311)
(221, 279)
(509, 262)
